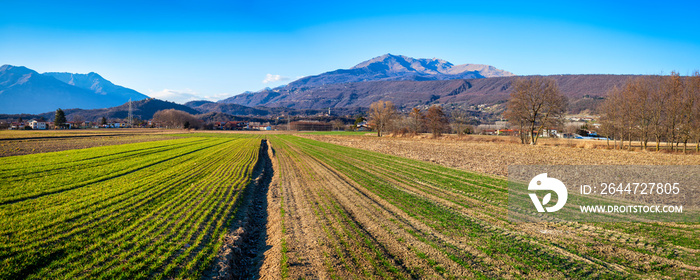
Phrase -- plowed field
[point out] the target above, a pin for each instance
(347, 213)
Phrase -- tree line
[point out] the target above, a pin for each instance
(385, 118)
(654, 109)
(172, 118)
(646, 109)
(535, 104)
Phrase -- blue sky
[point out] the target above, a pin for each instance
(184, 50)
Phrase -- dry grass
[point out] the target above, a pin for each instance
(492, 155)
(22, 142)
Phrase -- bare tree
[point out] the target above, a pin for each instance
(416, 120)
(382, 113)
(657, 110)
(338, 125)
(460, 121)
(694, 85)
(688, 111)
(436, 120)
(641, 92)
(627, 103)
(672, 88)
(514, 116)
(536, 103)
(78, 120)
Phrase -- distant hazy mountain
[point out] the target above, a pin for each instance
(142, 109)
(390, 67)
(205, 110)
(231, 109)
(23, 90)
(94, 82)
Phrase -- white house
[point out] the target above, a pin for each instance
(116, 125)
(551, 133)
(37, 124)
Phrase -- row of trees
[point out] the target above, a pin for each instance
(648, 108)
(654, 108)
(386, 118)
(172, 118)
(60, 120)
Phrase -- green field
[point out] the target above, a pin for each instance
(147, 210)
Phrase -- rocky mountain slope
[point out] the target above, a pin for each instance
(584, 92)
(390, 67)
(23, 90)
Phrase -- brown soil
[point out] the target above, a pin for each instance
(244, 249)
(401, 235)
(495, 157)
(270, 268)
(305, 241)
(336, 227)
(14, 143)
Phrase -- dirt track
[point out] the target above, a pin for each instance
(242, 254)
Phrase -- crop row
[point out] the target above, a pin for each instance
(148, 210)
(457, 221)
(343, 247)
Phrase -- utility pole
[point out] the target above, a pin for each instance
(130, 118)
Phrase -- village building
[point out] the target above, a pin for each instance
(34, 124)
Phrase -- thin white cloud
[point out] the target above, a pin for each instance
(184, 96)
(269, 78)
(217, 97)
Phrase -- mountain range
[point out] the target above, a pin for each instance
(410, 82)
(406, 81)
(23, 90)
(390, 67)
(205, 110)
(584, 92)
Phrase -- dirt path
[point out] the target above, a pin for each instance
(244, 249)
(270, 268)
(305, 241)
